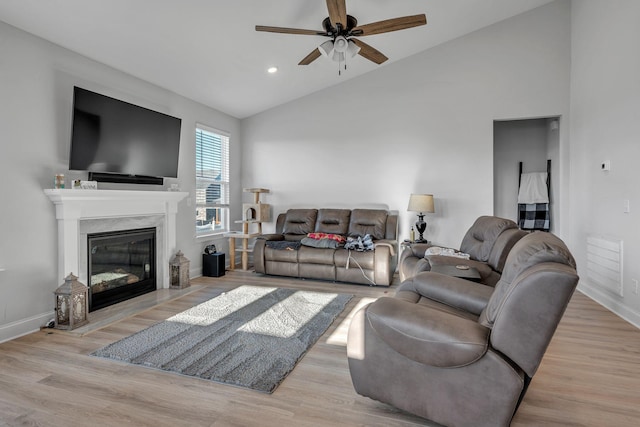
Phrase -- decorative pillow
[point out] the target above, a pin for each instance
(337, 237)
(320, 243)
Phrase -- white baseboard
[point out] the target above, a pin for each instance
(24, 326)
(608, 301)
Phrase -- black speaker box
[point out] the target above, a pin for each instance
(213, 265)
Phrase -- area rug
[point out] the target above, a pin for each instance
(251, 336)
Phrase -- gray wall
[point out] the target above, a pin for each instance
(424, 124)
(36, 89)
(605, 114)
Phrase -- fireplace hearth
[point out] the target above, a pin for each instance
(121, 265)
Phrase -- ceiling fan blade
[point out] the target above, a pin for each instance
(370, 53)
(337, 12)
(315, 54)
(389, 25)
(290, 30)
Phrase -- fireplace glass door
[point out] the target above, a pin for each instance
(121, 266)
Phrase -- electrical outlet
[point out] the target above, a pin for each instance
(634, 283)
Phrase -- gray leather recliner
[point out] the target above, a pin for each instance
(460, 353)
(488, 242)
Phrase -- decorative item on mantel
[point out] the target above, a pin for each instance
(72, 304)
(179, 271)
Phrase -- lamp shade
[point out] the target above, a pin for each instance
(421, 203)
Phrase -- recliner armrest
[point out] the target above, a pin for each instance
(427, 336)
(452, 291)
(483, 268)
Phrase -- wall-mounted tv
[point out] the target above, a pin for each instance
(116, 141)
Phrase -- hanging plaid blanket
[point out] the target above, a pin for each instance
(534, 216)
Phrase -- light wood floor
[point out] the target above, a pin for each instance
(590, 376)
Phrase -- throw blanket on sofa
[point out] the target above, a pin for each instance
(359, 243)
(283, 245)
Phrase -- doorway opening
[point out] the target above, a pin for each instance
(532, 142)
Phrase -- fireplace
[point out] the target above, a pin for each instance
(80, 213)
(121, 265)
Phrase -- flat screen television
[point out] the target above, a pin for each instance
(116, 141)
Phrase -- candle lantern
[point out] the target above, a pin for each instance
(72, 298)
(179, 271)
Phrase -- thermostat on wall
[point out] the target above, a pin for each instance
(606, 165)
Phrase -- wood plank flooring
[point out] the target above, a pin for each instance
(590, 376)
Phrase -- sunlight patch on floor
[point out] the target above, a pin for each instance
(339, 336)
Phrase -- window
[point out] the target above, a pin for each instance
(212, 181)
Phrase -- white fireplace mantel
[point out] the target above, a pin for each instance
(75, 206)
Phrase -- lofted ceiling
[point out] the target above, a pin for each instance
(209, 51)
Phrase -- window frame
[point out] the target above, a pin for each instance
(223, 202)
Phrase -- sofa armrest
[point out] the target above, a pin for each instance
(391, 244)
(452, 291)
(431, 337)
(258, 250)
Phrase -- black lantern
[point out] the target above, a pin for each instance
(72, 309)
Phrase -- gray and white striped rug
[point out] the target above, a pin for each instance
(251, 336)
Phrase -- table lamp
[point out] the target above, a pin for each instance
(421, 203)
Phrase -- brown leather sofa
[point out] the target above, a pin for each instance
(460, 353)
(375, 267)
(488, 243)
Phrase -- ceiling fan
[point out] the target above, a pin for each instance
(342, 30)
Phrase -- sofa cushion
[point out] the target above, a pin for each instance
(333, 221)
(300, 221)
(479, 239)
(308, 255)
(352, 259)
(368, 221)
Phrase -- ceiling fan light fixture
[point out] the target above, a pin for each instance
(326, 48)
(338, 56)
(341, 44)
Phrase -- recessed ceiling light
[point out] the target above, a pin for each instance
(272, 70)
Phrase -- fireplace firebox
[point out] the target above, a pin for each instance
(121, 265)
